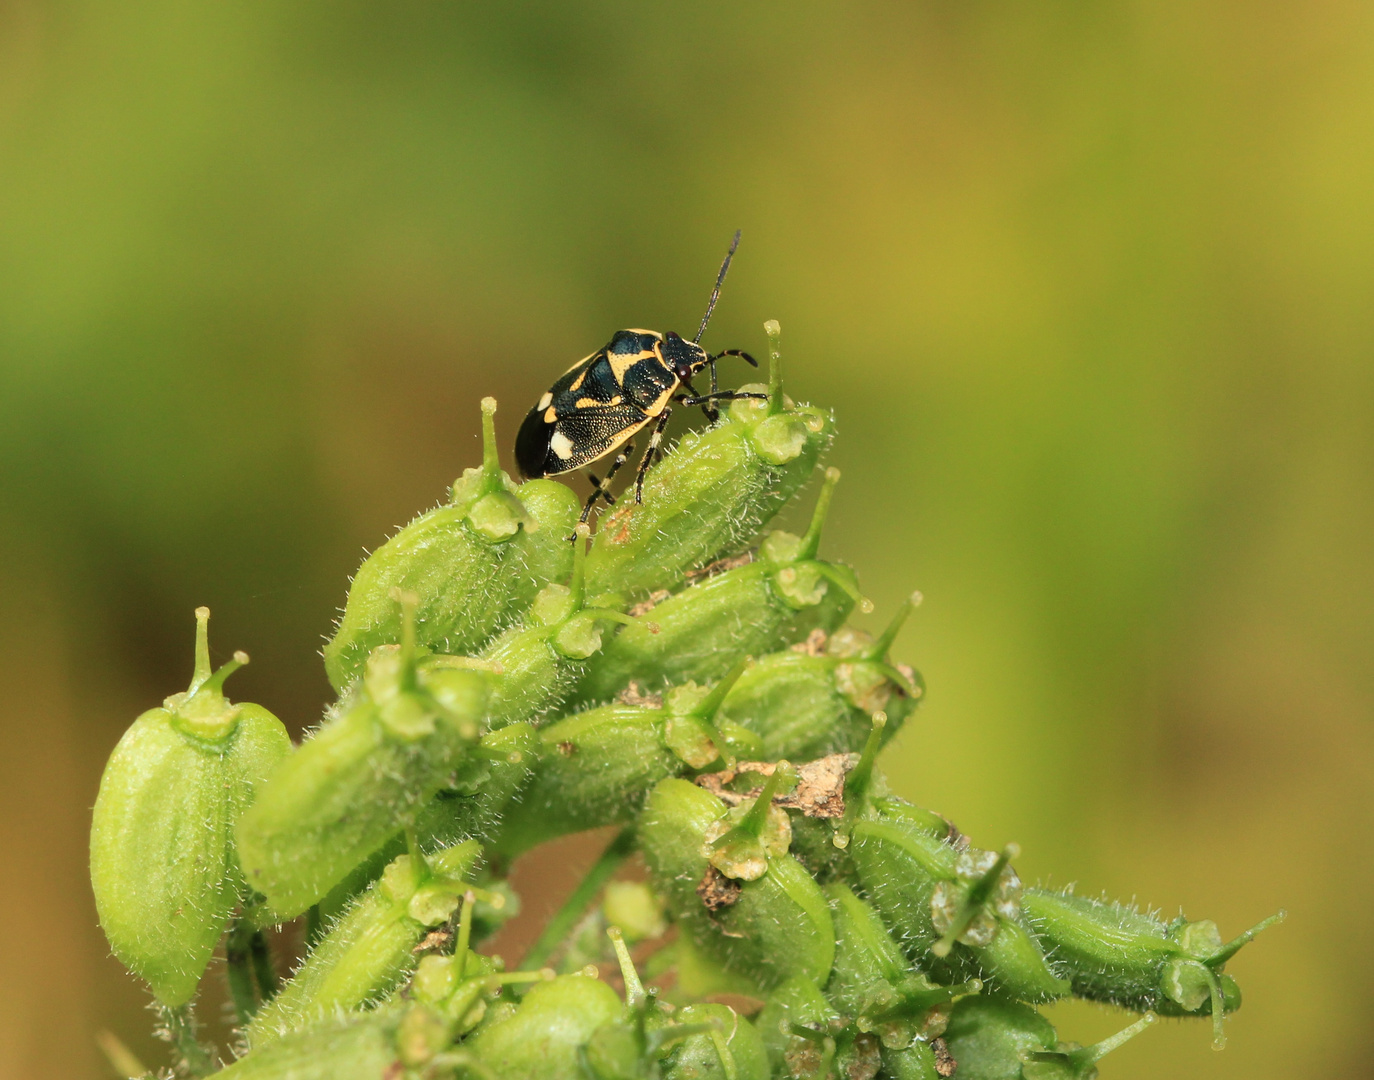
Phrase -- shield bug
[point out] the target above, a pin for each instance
(599, 403)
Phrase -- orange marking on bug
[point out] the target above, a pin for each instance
(621, 363)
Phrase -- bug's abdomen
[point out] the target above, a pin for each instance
(595, 406)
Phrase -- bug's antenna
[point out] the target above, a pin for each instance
(715, 293)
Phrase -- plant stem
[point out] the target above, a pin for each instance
(582, 896)
(263, 968)
(238, 955)
(192, 1058)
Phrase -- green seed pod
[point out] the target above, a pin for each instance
(649, 1041)
(163, 862)
(475, 565)
(448, 996)
(474, 800)
(730, 883)
(846, 789)
(593, 768)
(713, 492)
(1002, 1040)
(957, 913)
(371, 948)
(731, 1050)
(807, 1039)
(366, 774)
(818, 696)
(536, 664)
(345, 1048)
(873, 981)
(545, 1038)
(779, 598)
(1130, 958)
(468, 807)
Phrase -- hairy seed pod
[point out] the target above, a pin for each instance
(852, 788)
(992, 1039)
(874, 983)
(1129, 958)
(807, 1039)
(474, 800)
(365, 775)
(651, 1041)
(779, 598)
(371, 948)
(730, 883)
(818, 696)
(448, 996)
(712, 493)
(353, 1047)
(730, 1050)
(468, 807)
(957, 913)
(164, 866)
(536, 664)
(475, 565)
(594, 767)
(545, 1037)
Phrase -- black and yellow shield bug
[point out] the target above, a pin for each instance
(599, 403)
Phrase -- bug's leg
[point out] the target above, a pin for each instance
(591, 501)
(721, 395)
(704, 400)
(601, 488)
(650, 452)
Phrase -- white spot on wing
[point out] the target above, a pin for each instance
(561, 445)
(545, 401)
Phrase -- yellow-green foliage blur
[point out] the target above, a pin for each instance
(1089, 286)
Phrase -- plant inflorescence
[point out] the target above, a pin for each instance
(686, 677)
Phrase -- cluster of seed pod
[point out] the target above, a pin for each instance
(688, 678)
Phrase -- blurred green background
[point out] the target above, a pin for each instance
(1089, 286)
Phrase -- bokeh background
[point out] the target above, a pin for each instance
(1089, 286)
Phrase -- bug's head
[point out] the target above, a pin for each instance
(685, 357)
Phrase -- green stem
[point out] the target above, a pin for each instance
(460, 951)
(192, 1057)
(1237, 943)
(215, 683)
(201, 671)
(577, 586)
(774, 331)
(879, 649)
(238, 971)
(566, 917)
(634, 989)
(978, 895)
(711, 703)
(409, 602)
(856, 783)
(811, 542)
(1098, 1051)
(264, 970)
(491, 460)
